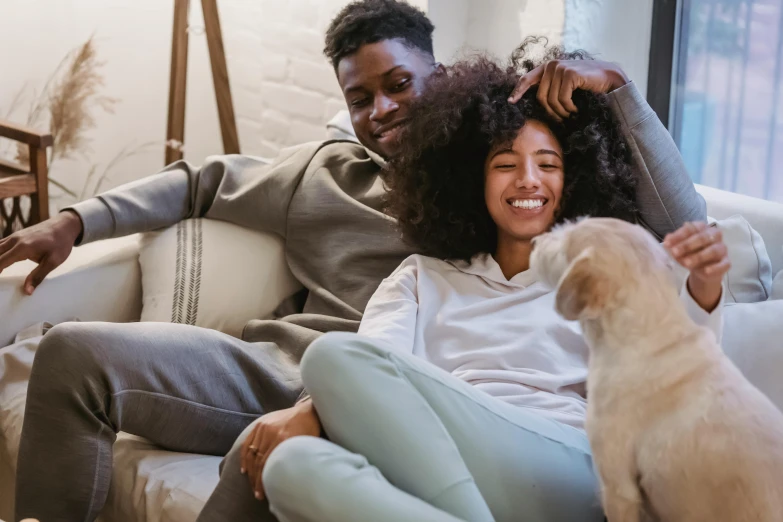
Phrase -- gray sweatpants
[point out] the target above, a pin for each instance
(184, 388)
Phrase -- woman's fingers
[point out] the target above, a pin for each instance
(713, 253)
(718, 268)
(684, 232)
(675, 241)
(253, 450)
(697, 242)
(268, 443)
(244, 460)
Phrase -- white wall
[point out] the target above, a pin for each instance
(493, 26)
(613, 30)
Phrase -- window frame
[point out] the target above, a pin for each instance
(664, 46)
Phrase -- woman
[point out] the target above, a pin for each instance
(463, 395)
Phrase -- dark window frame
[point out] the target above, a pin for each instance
(663, 53)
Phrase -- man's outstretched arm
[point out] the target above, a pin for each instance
(239, 189)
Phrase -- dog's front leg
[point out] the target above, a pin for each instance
(622, 499)
(622, 507)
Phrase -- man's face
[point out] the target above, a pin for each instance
(379, 82)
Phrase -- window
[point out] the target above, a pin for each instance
(725, 108)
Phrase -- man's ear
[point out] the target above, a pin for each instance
(579, 293)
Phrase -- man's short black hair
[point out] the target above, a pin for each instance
(370, 21)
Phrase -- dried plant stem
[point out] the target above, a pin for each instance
(62, 187)
(126, 153)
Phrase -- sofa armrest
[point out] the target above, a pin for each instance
(99, 282)
(766, 217)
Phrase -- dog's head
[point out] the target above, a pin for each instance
(597, 263)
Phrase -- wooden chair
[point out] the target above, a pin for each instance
(17, 181)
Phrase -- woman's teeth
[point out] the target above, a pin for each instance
(528, 203)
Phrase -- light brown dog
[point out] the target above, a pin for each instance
(678, 434)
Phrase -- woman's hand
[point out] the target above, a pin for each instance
(270, 430)
(700, 248)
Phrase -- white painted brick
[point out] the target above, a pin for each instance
(291, 99)
(306, 13)
(308, 42)
(275, 126)
(316, 76)
(253, 142)
(281, 11)
(249, 73)
(332, 107)
(273, 66)
(247, 101)
(302, 132)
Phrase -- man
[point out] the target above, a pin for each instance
(194, 390)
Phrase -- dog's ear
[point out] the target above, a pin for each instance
(579, 293)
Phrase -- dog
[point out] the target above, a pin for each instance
(677, 433)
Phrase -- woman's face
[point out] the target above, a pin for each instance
(523, 183)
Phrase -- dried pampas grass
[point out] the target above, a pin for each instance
(68, 101)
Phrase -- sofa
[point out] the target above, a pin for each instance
(102, 282)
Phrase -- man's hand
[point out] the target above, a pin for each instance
(700, 248)
(48, 244)
(270, 430)
(557, 80)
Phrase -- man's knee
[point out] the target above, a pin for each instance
(296, 465)
(337, 357)
(64, 346)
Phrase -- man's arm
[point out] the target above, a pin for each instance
(239, 189)
(666, 196)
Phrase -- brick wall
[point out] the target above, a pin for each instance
(284, 88)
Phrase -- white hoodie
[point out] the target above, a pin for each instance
(502, 336)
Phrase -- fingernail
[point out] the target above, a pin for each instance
(242, 470)
(258, 495)
(676, 251)
(28, 289)
(688, 262)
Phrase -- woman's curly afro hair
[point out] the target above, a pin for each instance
(436, 181)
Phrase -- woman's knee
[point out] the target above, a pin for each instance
(337, 358)
(297, 466)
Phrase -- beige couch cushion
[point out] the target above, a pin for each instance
(153, 485)
(98, 282)
(212, 274)
(750, 278)
(753, 339)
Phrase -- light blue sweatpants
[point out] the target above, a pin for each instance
(412, 442)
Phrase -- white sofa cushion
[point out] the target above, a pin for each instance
(766, 217)
(153, 485)
(212, 274)
(753, 339)
(98, 282)
(750, 278)
(777, 286)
